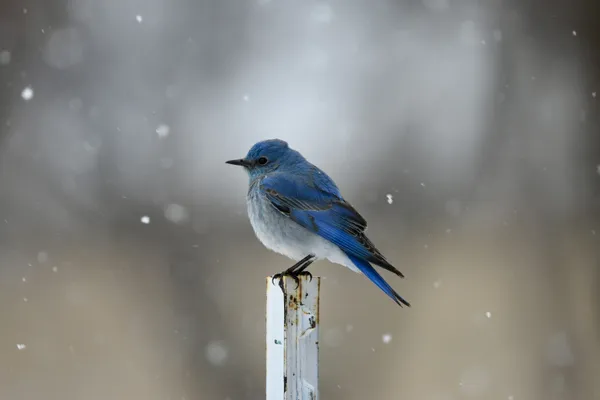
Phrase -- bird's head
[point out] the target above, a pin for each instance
(266, 156)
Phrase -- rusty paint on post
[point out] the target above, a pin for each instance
(293, 339)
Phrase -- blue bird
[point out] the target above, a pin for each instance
(297, 210)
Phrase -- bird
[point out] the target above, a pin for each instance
(297, 210)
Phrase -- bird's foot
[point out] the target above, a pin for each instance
(283, 274)
(305, 273)
(295, 271)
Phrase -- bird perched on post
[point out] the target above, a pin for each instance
(298, 211)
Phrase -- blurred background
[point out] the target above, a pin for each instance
(465, 131)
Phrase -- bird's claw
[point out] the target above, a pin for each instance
(295, 271)
(306, 273)
(281, 275)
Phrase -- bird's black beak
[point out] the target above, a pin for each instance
(241, 162)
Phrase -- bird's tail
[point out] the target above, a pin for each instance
(377, 279)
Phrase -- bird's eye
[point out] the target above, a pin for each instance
(262, 161)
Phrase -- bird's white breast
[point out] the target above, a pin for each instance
(284, 236)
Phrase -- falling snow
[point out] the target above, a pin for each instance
(27, 93)
(163, 131)
(217, 353)
(176, 213)
(61, 47)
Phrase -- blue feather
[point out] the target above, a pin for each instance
(368, 271)
(326, 213)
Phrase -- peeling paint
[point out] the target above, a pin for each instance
(298, 352)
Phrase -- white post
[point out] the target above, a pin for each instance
(293, 339)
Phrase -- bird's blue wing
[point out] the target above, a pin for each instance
(319, 211)
(314, 202)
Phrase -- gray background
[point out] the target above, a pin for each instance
(480, 118)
